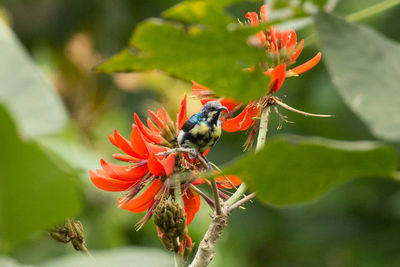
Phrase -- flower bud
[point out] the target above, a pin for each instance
(171, 224)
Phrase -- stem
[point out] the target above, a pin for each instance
(299, 111)
(216, 197)
(242, 201)
(206, 250)
(372, 10)
(262, 134)
(179, 262)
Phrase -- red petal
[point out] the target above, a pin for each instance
(229, 103)
(277, 77)
(112, 140)
(285, 38)
(308, 65)
(153, 137)
(298, 50)
(223, 183)
(108, 184)
(263, 13)
(169, 164)
(155, 165)
(273, 34)
(124, 157)
(201, 90)
(182, 114)
(145, 200)
(166, 116)
(293, 40)
(152, 126)
(253, 17)
(159, 122)
(155, 149)
(124, 145)
(198, 181)
(191, 204)
(124, 173)
(138, 143)
(243, 121)
(206, 100)
(205, 153)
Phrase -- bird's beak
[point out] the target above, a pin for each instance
(224, 108)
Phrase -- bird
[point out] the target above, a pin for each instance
(202, 129)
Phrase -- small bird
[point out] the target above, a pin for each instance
(202, 129)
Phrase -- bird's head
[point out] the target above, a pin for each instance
(212, 110)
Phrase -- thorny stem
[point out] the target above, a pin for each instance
(242, 201)
(262, 134)
(216, 197)
(205, 252)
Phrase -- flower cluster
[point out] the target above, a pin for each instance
(153, 169)
(283, 50)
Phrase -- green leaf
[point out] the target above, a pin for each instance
(365, 68)
(200, 12)
(31, 101)
(35, 193)
(135, 256)
(212, 54)
(294, 169)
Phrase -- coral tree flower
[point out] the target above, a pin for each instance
(146, 175)
(282, 47)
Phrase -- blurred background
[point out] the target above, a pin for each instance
(356, 224)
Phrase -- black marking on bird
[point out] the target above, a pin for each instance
(203, 129)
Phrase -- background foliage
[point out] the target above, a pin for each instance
(56, 112)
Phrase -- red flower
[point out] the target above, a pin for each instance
(284, 50)
(146, 168)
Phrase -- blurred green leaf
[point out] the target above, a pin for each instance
(10, 262)
(31, 101)
(212, 54)
(365, 68)
(35, 193)
(135, 256)
(200, 12)
(294, 169)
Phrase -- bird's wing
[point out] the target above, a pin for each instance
(191, 122)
